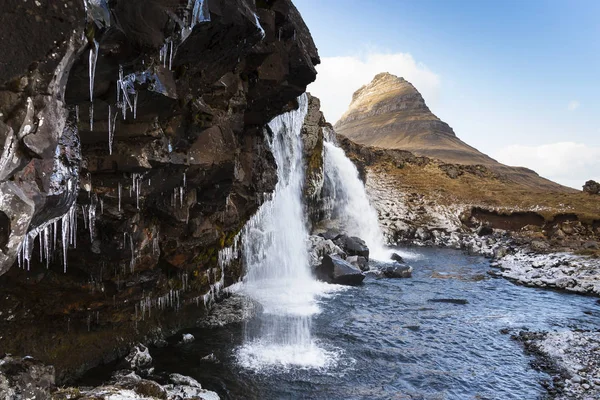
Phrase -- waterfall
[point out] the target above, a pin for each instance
(274, 252)
(347, 201)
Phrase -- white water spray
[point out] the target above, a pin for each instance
(275, 254)
(347, 201)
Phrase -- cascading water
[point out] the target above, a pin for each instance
(274, 252)
(347, 201)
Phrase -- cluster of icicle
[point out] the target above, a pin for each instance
(48, 240)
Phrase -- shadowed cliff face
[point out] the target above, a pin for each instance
(160, 170)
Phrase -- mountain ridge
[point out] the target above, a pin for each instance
(390, 113)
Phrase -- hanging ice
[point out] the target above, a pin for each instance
(196, 12)
(93, 59)
(92, 66)
(112, 125)
(260, 28)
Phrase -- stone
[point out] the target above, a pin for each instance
(397, 270)
(359, 262)
(139, 358)
(187, 338)
(353, 246)
(591, 187)
(397, 257)
(333, 269)
(25, 378)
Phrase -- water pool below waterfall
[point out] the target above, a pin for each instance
(388, 340)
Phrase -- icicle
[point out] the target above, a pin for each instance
(184, 180)
(181, 196)
(101, 205)
(135, 100)
(77, 113)
(112, 126)
(92, 117)
(120, 189)
(92, 66)
(171, 56)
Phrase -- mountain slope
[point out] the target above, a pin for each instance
(390, 113)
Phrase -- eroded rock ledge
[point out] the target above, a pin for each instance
(159, 171)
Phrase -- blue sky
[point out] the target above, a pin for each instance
(519, 80)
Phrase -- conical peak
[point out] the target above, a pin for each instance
(384, 84)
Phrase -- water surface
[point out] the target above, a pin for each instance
(387, 340)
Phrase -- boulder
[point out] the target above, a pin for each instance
(353, 246)
(397, 270)
(591, 187)
(397, 257)
(319, 247)
(330, 234)
(359, 262)
(333, 269)
(139, 357)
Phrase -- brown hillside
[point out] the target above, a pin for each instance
(389, 113)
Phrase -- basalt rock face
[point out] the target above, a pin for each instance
(159, 171)
(314, 132)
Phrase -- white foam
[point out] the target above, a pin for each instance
(263, 357)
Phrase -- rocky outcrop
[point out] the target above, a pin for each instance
(313, 135)
(134, 152)
(591, 187)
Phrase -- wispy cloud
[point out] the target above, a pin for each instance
(340, 77)
(573, 105)
(568, 163)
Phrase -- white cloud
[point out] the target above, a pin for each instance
(340, 77)
(568, 163)
(573, 105)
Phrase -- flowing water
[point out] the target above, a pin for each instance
(392, 342)
(347, 201)
(277, 267)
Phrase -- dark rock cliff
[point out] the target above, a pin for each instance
(113, 211)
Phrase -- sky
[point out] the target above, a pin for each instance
(518, 80)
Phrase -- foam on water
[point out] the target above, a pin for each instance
(259, 356)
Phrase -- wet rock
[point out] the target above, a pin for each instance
(353, 246)
(25, 378)
(319, 247)
(331, 234)
(359, 262)
(231, 310)
(187, 338)
(397, 270)
(139, 358)
(397, 257)
(333, 269)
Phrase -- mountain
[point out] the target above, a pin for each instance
(390, 113)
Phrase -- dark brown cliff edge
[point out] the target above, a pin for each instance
(178, 183)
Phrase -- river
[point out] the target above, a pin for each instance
(387, 339)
